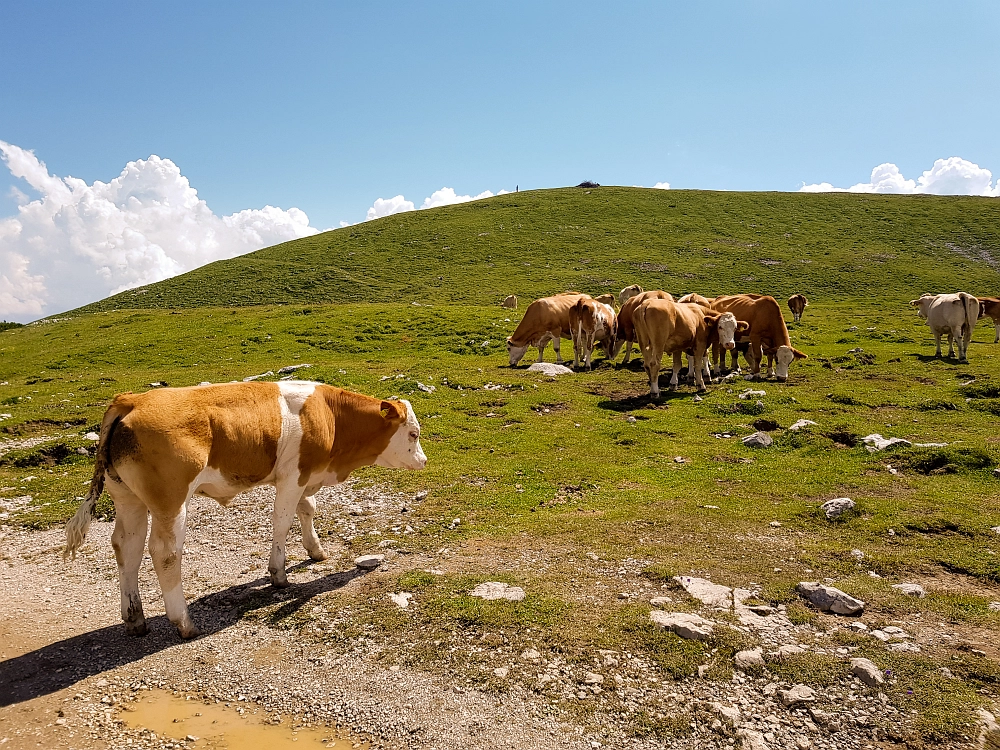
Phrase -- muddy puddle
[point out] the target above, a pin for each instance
(219, 727)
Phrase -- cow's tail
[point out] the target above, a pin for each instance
(79, 524)
(641, 332)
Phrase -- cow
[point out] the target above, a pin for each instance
(590, 322)
(629, 291)
(667, 327)
(157, 449)
(509, 302)
(606, 299)
(768, 333)
(952, 314)
(626, 331)
(696, 299)
(545, 319)
(797, 303)
(741, 340)
(990, 307)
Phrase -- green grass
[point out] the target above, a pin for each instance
(528, 462)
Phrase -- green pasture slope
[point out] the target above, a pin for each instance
(587, 463)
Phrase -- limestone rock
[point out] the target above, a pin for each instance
(501, 672)
(369, 562)
(830, 599)
(837, 507)
(758, 440)
(684, 624)
(729, 715)
(876, 442)
(549, 368)
(910, 589)
(712, 594)
(292, 368)
(750, 393)
(802, 423)
(493, 590)
(402, 599)
(866, 671)
(593, 678)
(796, 695)
(749, 659)
(789, 649)
(751, 740)
(530, 654)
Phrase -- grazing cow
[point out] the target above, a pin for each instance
(667, 327)
(606, 299)
(696, 299)
(626, 331)
(768, 333)
(629, 291)
(990, 307)
(952, 314)
(159, 448)
(509, 302)
(797, 303)
(545, 319)
(740, 338)
(590, 322)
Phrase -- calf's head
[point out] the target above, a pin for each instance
(729, 328)
(922, 304)
(783, 358)
(515, 352)
(403, 450)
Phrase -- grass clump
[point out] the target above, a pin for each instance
(943, 460)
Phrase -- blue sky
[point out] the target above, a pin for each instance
(328, 106)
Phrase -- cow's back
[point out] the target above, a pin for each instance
(545, 315)
(627, 311)
(762, 313)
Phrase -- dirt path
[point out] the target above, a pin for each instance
(67, 669)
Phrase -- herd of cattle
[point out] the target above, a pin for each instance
(748, 324)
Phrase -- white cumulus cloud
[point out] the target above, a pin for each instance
(952, 176)
(388, 206)
(662, 186)
(446, 196)
(77, 243)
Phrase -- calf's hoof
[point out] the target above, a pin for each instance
(318, 554)
(136, 628)
(188, 631)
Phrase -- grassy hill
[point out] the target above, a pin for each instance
(827, 246)
(583, 469)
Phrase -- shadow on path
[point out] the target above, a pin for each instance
(66, 662)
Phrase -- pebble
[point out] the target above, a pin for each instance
(368, 562)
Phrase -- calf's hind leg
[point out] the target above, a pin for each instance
(128, 540)
(166, 547)
(305, 510)
(286, 500)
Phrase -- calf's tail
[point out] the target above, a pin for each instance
(971, 307)
(79, 524)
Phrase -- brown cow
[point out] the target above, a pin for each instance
(606, 299)
(626, 331)
(740, 339)
(667, 327)
(768, 332)
(989, 307)
(797, 303)
(545, 319)
(591, 321)
(159, 448)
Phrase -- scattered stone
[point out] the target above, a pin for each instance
(996, 473)
(729, 715)
(881, 635)
(680, 460)
(249, 378)
(593, 678)
(158, 384)
(402, 599)
(292, 368)
(501, 672)
(910, 589)
(751, 740)
(989, 736)
(369, 562)
(796, 695)
(994, 606)
(876, 442)
(859, 626)
(946, 673)
(426, 388)
(837, 507)
(550, 369)
(776, 524)
(904, 647)
(92, 436)
(827, 721)
(750, 393)
(866, 671)
(758, 440)
(802, 423)
(684, 624)
(493, 590)
(750, 659)
(857, 555)
(82, 451)
(764, 610)
(712, 594)
(698, 399)
(659, 601)
(790, 649)
(530, 654)
(830, 599)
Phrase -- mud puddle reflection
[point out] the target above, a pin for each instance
(220, 728)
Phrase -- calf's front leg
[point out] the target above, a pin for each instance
(286, 500)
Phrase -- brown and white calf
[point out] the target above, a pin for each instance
(954, 315)
(667, 327)
(545, 320)
(768, 333)
(591, 322)
(159, 448)
(797, 303)
(989, 307)
(510, 302)
(626, 330)
(629, 291)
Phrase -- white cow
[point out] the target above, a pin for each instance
(951, 314)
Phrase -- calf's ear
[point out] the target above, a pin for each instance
(392, 411)
(799, 355)
(713, 320)
(742, 326)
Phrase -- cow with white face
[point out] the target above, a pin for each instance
(545, 320)
(768, 333)
(627, 292)
(159, 448)
(954, 315)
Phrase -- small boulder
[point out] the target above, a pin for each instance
(801, 424)
(750, 393)
(796, 695)
(369, 562)
(866, 671)
(593, 678)
(758, 440)
(876, 442)
(830, 599)
(837, 507)
(750, 659)
(92, 436)
(402, 599)
(550, 369)
(494, 590)
(789, 649)
(752, 740)
(910, 589)
(712, 594)
(291, 368)
(531, 654)
(251, 378)
(729, 715)
(684, 624)
(501, 672)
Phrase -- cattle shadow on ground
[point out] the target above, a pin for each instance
(643, 401)
(64, 663)
(925, 358)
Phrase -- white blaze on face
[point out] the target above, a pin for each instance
(516, 352)
(404, 451)
(782, 360)
(727, 330)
